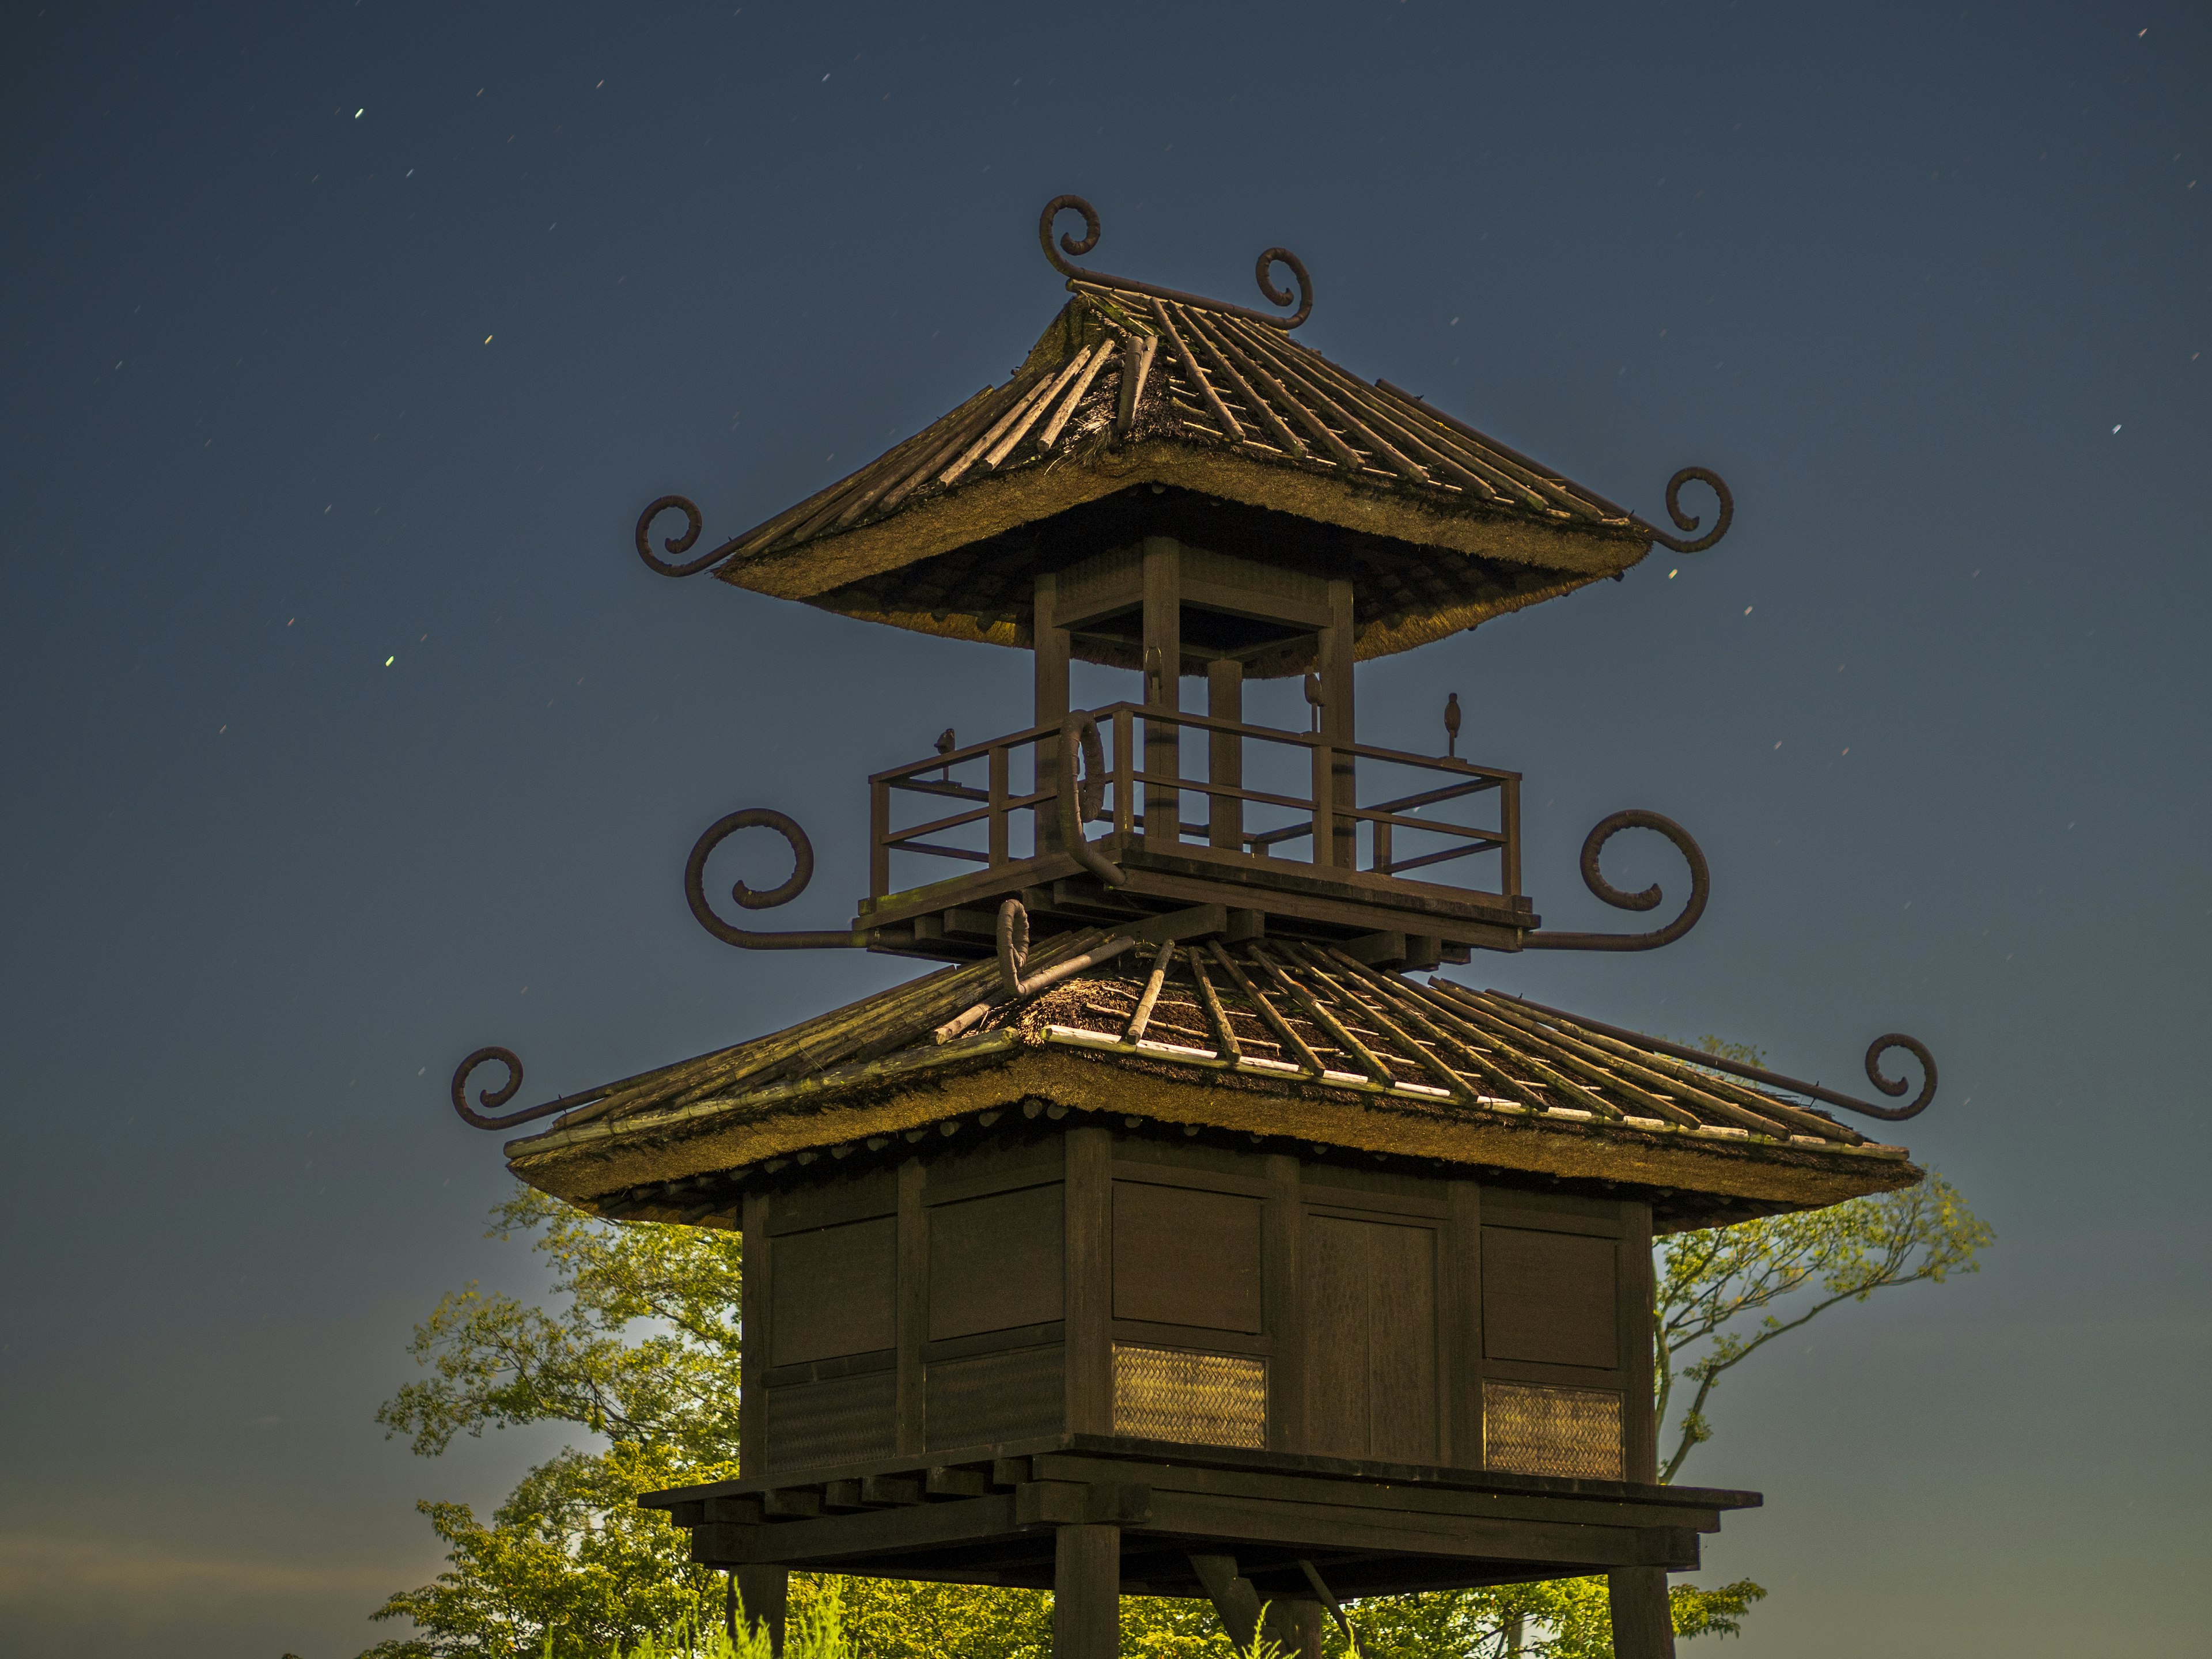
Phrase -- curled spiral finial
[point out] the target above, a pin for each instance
(1265, 271)
(494, 1098)
(1068, 244)
(1683, 520)
(1895, 1086)
(1648, 899)
(1013, 942)
(1080, 799)
(802, 871)
(1054, 253)
(678, 544)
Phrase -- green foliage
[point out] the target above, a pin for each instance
(568, 1558)
(1720, 1288)
(640, 1348)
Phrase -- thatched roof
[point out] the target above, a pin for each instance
(1289, 1044)
(1136, 415)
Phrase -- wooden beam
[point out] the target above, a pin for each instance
(753, 1272)
(1087, 1603)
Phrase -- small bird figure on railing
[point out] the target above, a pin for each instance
(946, 743)
(1451, 727)
(1316, 697)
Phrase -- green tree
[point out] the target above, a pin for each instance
(641, 1350)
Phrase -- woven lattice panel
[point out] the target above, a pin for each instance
(995, 1397)
(1202, 1399)
(1531, 1429)
(848, 1420)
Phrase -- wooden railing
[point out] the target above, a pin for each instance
(1144, 787)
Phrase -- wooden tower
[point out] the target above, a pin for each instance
(1184, 1234)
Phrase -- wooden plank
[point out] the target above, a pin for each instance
(1087, 1603)
(1562, 1508)
(1185, 1257)
(914, 1304)
(1550, 1297)
(835, 1291)
(995, 1263)
(1334, 1259)
(1343, 1527)
(1401, 1343)
(919, 1526)
(1089, 1302)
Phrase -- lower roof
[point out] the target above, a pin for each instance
(1294, 1045)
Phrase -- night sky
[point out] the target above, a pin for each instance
(345, 732)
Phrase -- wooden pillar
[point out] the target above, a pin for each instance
(1281, 1284)
(1337, 723)
(1639, 1451)
(1162, 687)
(752, 1353)
(764, 1597)
(1643, 1625)
(1295, 1628)
(1224, 754)
(1087, 1201)
(1459, 1293)
(1086, 1593)
(1049, 641)
(911, 1290)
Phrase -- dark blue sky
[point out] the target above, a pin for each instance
(336, 334)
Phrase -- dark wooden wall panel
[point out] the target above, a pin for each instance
(1187, 1257)
(832, 1292)
(1550, 1297)
(996, 1262)
(1370, 1334)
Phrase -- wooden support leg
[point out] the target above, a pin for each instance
(764, 1597)
(1643, 1625)
(1295, 1628)
(1086, 1593)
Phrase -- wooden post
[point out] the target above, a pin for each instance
(1086, 1593)
(911, 1320)
(1459, 1295)
(1224, 757)
(752, 1354)
(1050, 643)
(1163, 689)
(1637, 1291)
(1295, 1627)
(764, 1597)
(1088, 1199)
(1643, 1624)
(1337, 724)
(1280, 1286)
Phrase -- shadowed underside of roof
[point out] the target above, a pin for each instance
(1263, 1039)
(1265, 446)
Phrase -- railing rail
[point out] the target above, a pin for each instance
(1144, 787)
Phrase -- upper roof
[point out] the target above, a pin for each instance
(1288, 1042)
(1144, 411)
